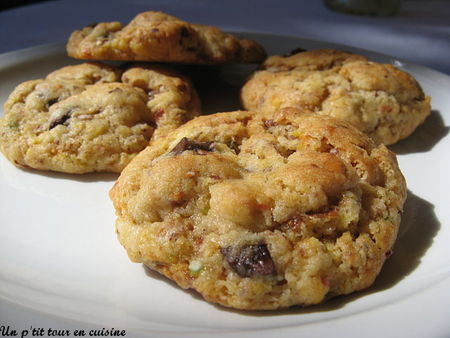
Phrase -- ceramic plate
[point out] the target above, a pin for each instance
(62, 268)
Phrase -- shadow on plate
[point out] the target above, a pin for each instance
(218, 86)
(418, 228)
(425, 137)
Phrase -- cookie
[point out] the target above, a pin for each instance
(158, 37)
(384, 102)
(93, 117)
(262, 212)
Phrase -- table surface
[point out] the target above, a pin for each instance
(419, 33)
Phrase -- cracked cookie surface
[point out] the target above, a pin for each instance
(158, 37)
(262, 211)
(384, 102)
(93, 117)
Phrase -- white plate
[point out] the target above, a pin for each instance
(61, 266)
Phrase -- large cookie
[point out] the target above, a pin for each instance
(261, 212)
(384, 102)
(158, 37)
(93, 117)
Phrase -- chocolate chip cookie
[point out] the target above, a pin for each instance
(158, 37)
(262, 211)
(93, 117)
(384, 102)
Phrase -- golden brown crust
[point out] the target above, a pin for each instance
(158, 37)
(262, 212)
(384, 102)
(318, 59)
(91, 117)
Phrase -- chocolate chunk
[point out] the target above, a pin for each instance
(51, 102)
(250, 260)
(295, 51)
(388, 253)
(60, 117)
(187, 144)
(188, 40)
(184, 32)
